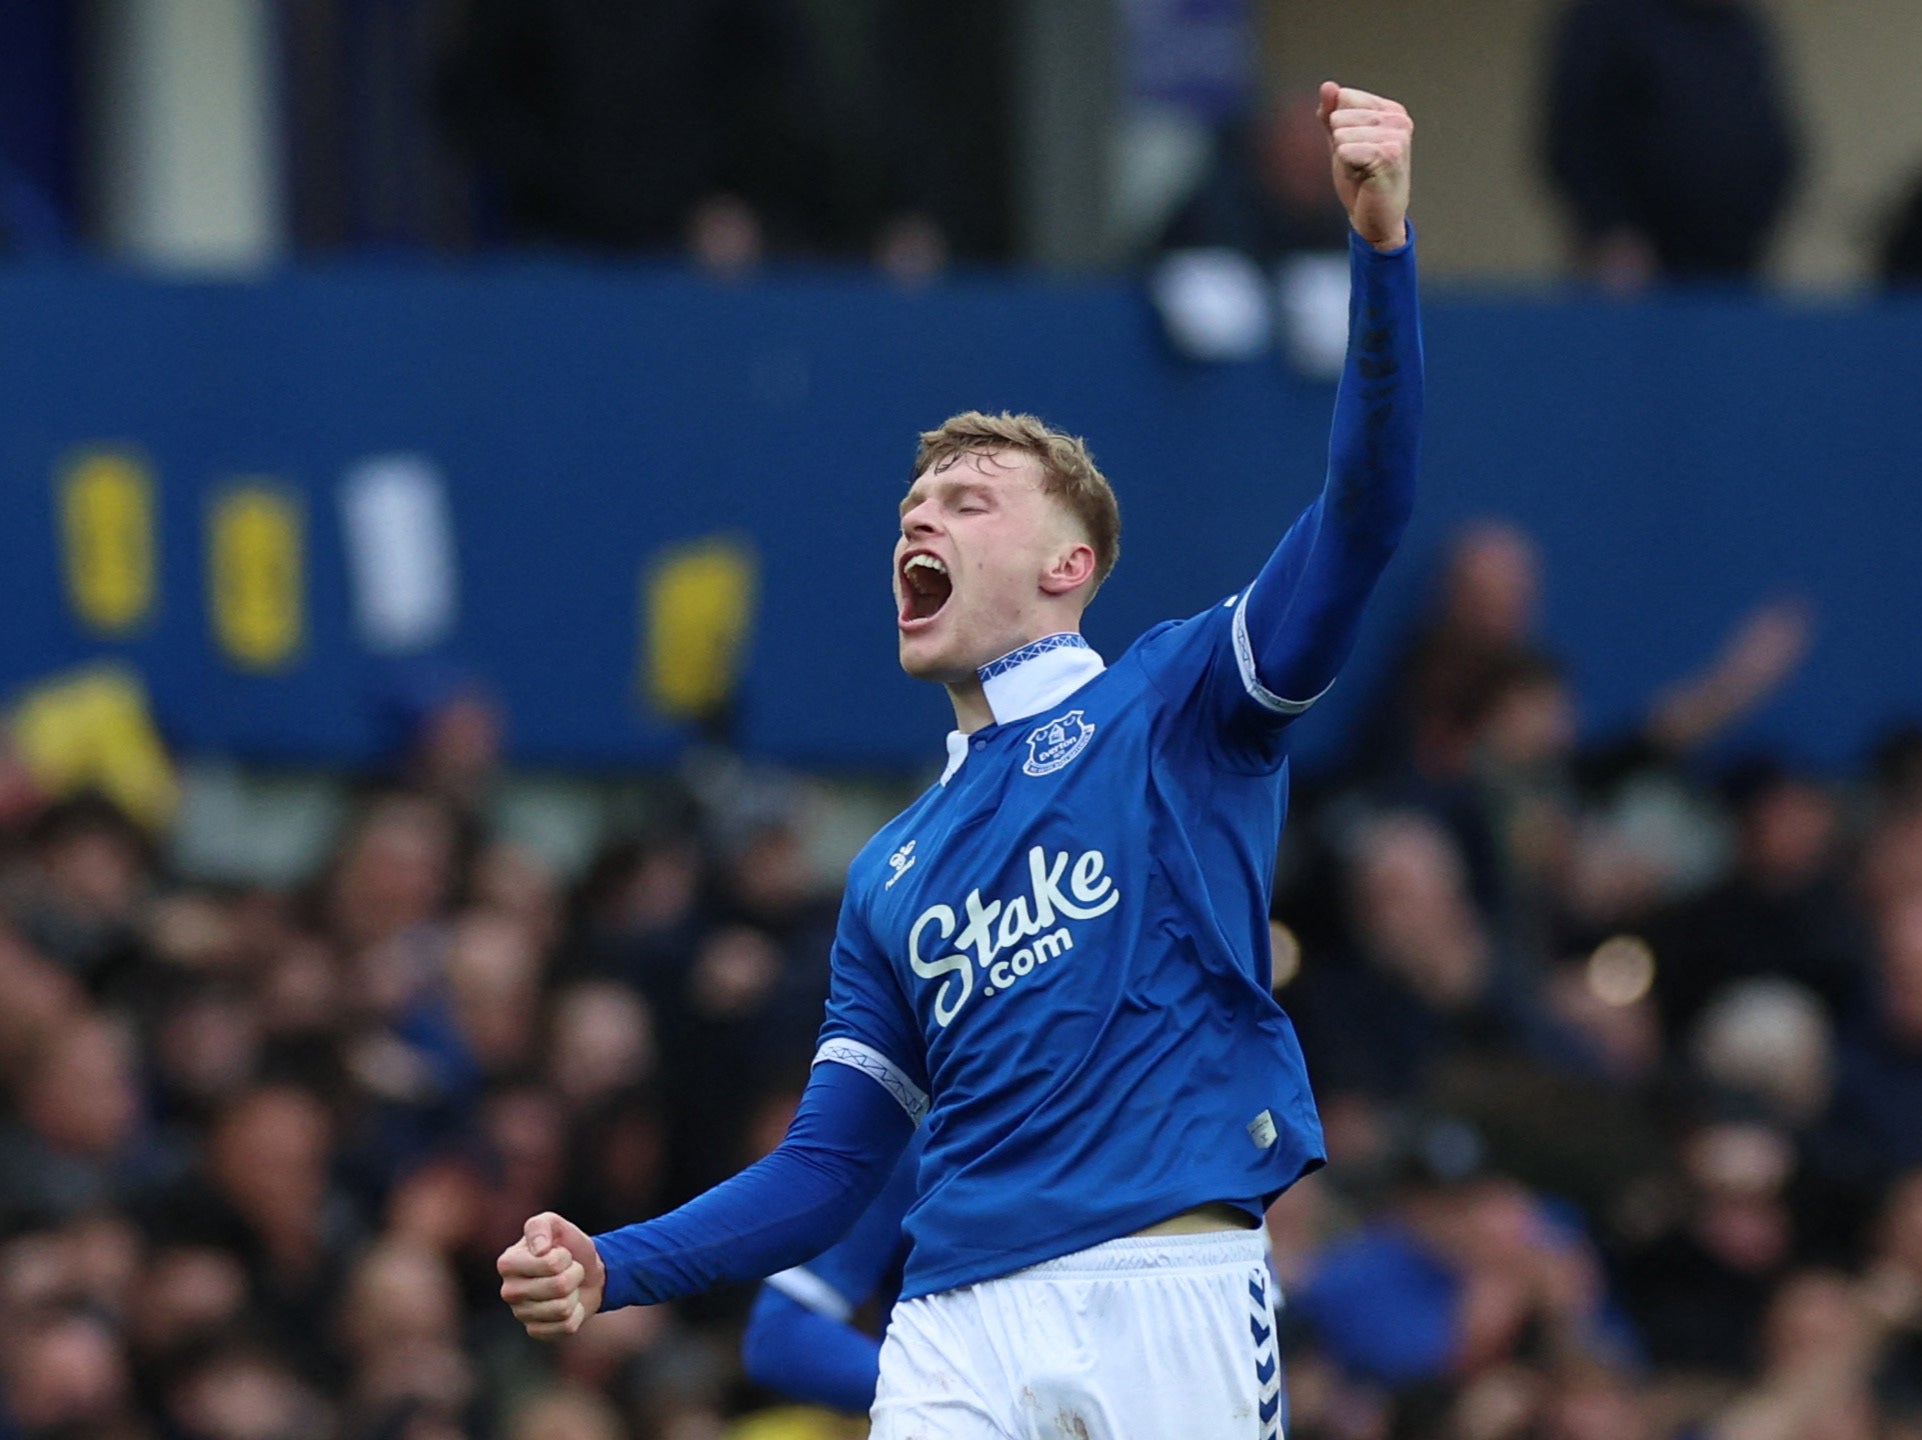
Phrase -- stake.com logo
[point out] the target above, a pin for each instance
(994, 926)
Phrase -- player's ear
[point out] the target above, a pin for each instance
(1071, 568)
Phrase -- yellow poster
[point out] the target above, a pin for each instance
(256, 575)
(92, 729)
(108, 546)
(697, 601)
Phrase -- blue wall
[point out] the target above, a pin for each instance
(1679, 461)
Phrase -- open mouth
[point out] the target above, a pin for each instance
(925, 587)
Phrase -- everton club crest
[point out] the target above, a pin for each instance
(1056, 743)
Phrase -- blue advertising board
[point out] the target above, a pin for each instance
(1679, 460)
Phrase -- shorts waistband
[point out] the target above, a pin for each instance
(1146, 1253)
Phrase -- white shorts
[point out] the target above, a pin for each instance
(1165, 1337)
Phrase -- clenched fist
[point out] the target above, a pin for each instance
(1369, 140)
(552, 1277)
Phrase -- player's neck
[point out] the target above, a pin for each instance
(971, 709)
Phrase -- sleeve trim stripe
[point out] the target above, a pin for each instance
(886, 1073)
(804, 1287)
(1250, 681)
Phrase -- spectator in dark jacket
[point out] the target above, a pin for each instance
(1669, 137)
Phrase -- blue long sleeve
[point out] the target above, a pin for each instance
(780, 1211)
(1304, 609)
(811, 1357)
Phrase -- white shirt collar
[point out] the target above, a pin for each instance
(1041, 673)
(1027, 681)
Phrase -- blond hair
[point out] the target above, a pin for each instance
(1067, 470)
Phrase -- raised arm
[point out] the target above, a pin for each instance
(780, 1211)
(1297, 622)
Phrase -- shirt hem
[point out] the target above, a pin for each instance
(1114, 1227)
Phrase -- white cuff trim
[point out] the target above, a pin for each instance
(804, 1287)
(1251, 682)
(890, 1076)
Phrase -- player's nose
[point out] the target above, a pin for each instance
(919, 523)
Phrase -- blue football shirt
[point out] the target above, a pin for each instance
(1059, 955)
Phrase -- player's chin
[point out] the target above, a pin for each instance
(926, 657)
(920, 660)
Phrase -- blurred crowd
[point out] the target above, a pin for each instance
(259, 1148)
(736, 132)
(1619, 1051)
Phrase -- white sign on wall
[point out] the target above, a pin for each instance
(400, 553)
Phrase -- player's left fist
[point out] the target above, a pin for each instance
(1370, 140)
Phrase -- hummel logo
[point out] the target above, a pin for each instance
(900, 862)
